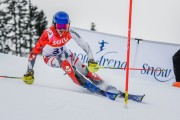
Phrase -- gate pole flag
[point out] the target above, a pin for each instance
(128, 53)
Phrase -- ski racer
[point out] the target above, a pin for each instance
(52, 45)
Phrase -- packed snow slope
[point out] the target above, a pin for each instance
(54, 96)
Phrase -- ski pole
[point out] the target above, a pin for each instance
(11, 77)
(129, 68)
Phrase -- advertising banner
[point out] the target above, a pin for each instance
(148, 59)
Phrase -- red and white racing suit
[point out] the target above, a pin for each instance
(53, 48)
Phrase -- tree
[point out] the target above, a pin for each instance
(3, 19)
(22, 14)
(11, 26)
(37, 23)
(21, 24)
(41, 23)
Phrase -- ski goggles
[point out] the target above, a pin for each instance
(62, 26)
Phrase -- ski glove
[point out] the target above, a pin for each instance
(93, 66)
(28, 78)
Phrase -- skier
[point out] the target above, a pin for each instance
(176, 66)
(52, 44)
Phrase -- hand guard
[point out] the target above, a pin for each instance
(28, 78)
(93, 66)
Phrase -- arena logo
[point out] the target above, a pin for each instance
(103, 60)
(106, 59)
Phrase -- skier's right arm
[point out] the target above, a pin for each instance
(29, 76)
(37, 49)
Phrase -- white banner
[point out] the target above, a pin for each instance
(110, 51)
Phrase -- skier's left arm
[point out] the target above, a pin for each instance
(83, 44)
(92, 65)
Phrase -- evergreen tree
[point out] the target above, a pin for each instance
(21, 24)
(4, 19)
(37, 23)
(12, 25)
(2, 30)
(41, 23)
(31, 25)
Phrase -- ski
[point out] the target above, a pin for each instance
(111, 96)
(113, 93)
(137, 98)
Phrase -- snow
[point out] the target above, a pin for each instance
(54, 96)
